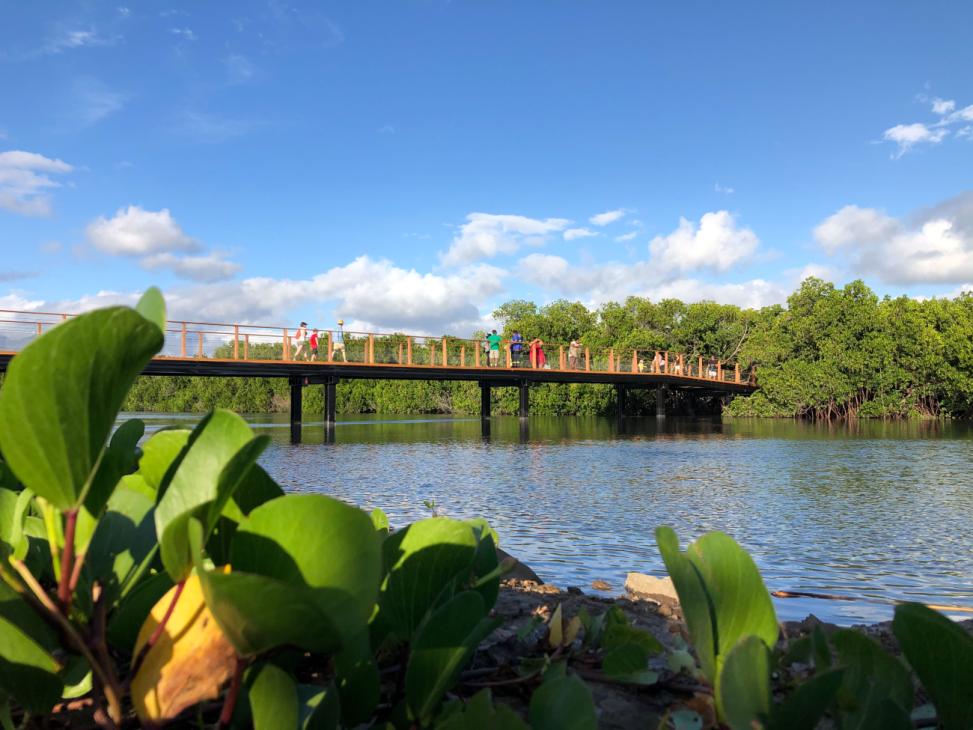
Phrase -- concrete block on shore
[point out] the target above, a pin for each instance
(647, 586)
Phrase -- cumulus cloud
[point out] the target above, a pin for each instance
(942, 106)
(933, 246)
(26, 178)
(573, 233)
(609, 216)
(717, 243)
(486, 235)
(208, 268)
(907, 136)
(134, 231)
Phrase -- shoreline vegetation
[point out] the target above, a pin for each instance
(831, 353)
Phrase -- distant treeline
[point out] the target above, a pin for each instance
(830, 353)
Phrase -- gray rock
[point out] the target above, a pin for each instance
(520, 571)
(639, 584)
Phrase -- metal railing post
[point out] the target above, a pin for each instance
(182, 341)
(236, 342)
(286, 350)
(587, 359)
(371, 349)
(246, 347)
(408, 343)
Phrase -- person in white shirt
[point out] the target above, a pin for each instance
(300, 338)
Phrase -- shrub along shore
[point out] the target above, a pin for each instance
(830, 353)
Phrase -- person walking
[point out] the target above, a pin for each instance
(538, 359)
(300, 339)
(574, 352)
(338, 341)
(494, 341)
(517, 349)
(313, 345)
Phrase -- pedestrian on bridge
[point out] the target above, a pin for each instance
(313, 345)
(517, 349)
(494, 341)
(538, 359)
(338, 341)
(574, 352)
(300, 337)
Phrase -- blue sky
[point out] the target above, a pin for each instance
(410, 165)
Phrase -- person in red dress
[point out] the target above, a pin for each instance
(537, 357)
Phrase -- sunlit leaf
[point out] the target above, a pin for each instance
(160, 452)
(555, 631)
(941, 653)
(61, 395)
(273, 698)
(743, 689)
(188, 664)
(380, 520)
(152, 306)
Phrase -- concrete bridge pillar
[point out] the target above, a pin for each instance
(661, 396)
(621, 401)
(330, 408)
(297, 401)
(524, 410)
(485, 410)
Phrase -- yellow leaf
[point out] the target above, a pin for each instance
(574, 626)
(188, 663)
(556, 636)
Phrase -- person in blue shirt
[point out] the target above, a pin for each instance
(516, 348)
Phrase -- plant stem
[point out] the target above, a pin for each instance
(114, 702)
(67, 560)
(226, 715)
(99, 628)
(158, 629)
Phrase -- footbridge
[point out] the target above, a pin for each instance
(257, 351)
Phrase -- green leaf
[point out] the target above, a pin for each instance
(721, 593)
(306, 572)
(357, 679)
(273, 698)
(118, 460)
(479, 713)
(941, 653)
(61, 395)
(127, 619)
(76, 676)
(562, 703)
(443, 645)
(152, 306)
(220, 451)
(806, 705)
(424, 561)
(160, 452)
(871, 676)
(380, 520)
(13, 508)
(743, 691)
(27, 672)
(319, 707)
(629, 663)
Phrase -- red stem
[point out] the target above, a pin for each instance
(158, 629)
(229, 704)
(67, 560)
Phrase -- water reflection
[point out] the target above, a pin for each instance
(880, 510)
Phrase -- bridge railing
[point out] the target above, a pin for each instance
(216, 341)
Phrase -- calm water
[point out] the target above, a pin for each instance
(879, 511)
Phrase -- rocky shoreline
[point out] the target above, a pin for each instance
(526, 605)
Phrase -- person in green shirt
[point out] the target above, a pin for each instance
(494, 340)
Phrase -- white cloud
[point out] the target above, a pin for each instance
(67, 40)
(25, 178)
(207, 268)
(716, 243)
(907, 136)
(184, 33)
(965, 132)
(723, 189)
(486, 235)
(609, 216)
(213, 128)
(934, 246)
(573, 233)
(134, 231)
(942, 106)
(92, 101)
(626, 236)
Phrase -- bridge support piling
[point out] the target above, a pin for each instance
(661, 396)
(297, 393)
(330, 400)
(524, 410)
(621, 401)
(484, 401)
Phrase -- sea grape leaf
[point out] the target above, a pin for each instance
(357, 679)
(871, 676)
(152, 306)
(562, 703)
(13, 509)
(443, 645)
(220, 451)
(479, 713)
(486, 562)
(319, 707)
(273, 698)
(628, 663)
(941, 653)
(256, 488)
(743, 689)
(28, 673)
(380, 520)
(76, 677)
(424, 562)
(188, 664)
(118, 460)
(306, 572)
(160, 452)
(61, 395)
(722, 595)
(806, 705)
